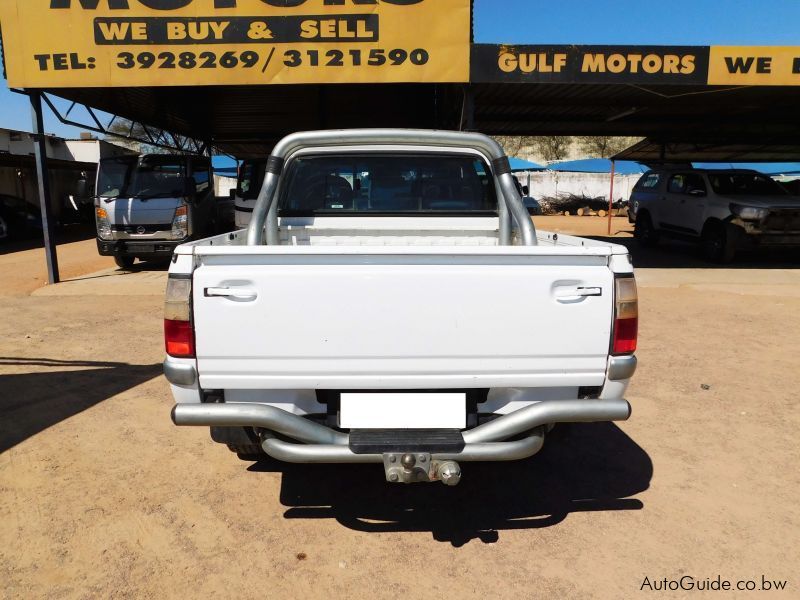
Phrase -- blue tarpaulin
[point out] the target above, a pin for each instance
(599, 165)
(517, 165)
(224, 165)
(226, 171)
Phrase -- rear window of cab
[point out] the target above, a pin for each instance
(649, 181)
(394, 184)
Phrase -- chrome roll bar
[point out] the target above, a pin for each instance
(265, 213)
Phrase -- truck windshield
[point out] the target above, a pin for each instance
(388, 184)
(745, 184)
(148, 177)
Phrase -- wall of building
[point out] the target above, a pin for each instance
(18, 177)
(21, 143)
(223, 185)
(92, 151)
(555, 184)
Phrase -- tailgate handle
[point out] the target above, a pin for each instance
(243, 294)
(567, 293)
(590, 291)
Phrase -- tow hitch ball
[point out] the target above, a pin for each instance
(418, 467)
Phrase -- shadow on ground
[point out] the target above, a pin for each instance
(64, 234)
(151, 266)
(678, 254)
(32, 402)
(589, 467)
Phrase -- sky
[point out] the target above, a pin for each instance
(667, 22)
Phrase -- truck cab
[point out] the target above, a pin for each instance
(147, 205)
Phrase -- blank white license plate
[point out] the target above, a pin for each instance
(403, 411)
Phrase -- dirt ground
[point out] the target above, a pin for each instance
(102, 497)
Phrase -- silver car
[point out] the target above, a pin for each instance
(723, 210)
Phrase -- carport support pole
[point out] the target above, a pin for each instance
(43, 180)
(611, 195)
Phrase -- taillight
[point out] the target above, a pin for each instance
(626, 316)
(178, 331)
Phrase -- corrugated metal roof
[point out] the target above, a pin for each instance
(246, 121)
(719, 149)
(621, 109)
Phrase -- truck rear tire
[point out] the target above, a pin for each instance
(241, 440)
(644, 232)
(124, 262)
(248, 451)
(5, 229)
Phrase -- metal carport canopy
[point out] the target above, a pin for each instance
(247, 121)
(653, 151)
(272, 67)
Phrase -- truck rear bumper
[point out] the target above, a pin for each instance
(316, 443)
(331, 453)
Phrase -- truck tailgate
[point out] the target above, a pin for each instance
(404, 318)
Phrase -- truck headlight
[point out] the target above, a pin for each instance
(749, 213)
(180, 223)
(103, 225)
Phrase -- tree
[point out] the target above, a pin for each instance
(603, 146)
(553, 147)
(515, 145)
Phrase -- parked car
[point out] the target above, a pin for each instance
(147, 205)
(531, 204)
(792, 186)
(384, 312)
(18, 219)
(723, 210)
(250, 178)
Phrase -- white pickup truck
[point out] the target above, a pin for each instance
(392, 303)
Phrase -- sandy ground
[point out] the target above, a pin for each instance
(24, 268)
(100, 496)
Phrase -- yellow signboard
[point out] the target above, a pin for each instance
(104, 43)
(754, 65)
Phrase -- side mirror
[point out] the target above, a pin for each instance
(526, 191)
(190, 188)
(82, 188)
(232, 193)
